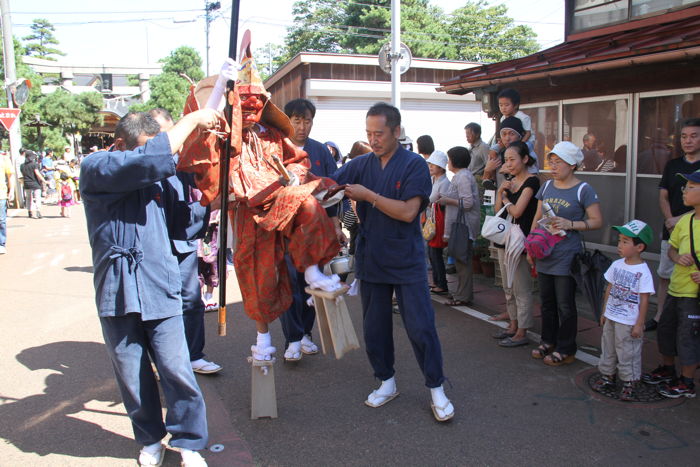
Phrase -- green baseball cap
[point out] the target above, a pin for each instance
(636, 229)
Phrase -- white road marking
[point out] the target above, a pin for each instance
(31, 271)
(57, 259)
(533, 336)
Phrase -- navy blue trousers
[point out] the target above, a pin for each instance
(129, 341)
(192, 304)
(419, 320)
(299, 318)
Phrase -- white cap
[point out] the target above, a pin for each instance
(438, 158)
(568, 152)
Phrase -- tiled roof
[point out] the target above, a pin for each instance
(657, 39)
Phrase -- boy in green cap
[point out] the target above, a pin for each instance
(630, 284)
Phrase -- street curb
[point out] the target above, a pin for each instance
(533, 336)
(236, 452)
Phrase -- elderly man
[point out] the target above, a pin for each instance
(137, 283)
(477, 148)
(391, 186)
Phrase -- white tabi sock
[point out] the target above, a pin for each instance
(264, 340)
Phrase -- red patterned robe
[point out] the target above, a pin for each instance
(268, 218)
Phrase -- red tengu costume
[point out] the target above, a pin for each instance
(268, 218)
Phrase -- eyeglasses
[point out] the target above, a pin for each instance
(685, 188)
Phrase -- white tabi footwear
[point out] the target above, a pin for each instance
(262, 354)
(386, 393)
(152, 456)
(293, 352)
(205, 367)
(308, 347)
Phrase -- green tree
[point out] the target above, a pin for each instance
(170, 88)
(41, 39)
(476, 31)
(486, 34)
(267, 58)
(69, 114)
(29, 108)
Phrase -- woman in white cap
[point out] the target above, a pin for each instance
(573, 207)
(437, 163)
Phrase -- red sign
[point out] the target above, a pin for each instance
(8, 117)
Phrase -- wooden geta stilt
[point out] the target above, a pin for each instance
(334, 324)
(263, 399)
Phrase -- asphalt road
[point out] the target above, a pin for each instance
(59, 404)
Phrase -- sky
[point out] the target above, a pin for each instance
(133, 32)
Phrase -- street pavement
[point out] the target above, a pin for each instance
(59, 404)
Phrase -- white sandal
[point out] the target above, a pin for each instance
(375, 399)
(446, 416)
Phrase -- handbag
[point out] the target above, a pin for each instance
(540, 243)
(429, 225)
(496, 227)
(460, 246)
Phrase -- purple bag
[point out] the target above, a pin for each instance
(540, 243)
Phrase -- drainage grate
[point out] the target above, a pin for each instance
(646, 395)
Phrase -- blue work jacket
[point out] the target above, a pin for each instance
(187, 219)
(389, 251)
(322, 165)
(134, 268)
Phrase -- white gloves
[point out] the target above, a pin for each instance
(229, 71)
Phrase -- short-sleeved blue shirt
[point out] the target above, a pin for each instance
(322, 165)
(389, 251)
(570, 203)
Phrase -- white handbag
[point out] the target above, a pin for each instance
(495, 227)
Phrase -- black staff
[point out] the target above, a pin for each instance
(223, 176)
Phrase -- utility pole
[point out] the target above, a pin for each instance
(208, 18)
(395, 53)
(10, 80)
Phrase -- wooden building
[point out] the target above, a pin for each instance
(343, 87)
(627, 76)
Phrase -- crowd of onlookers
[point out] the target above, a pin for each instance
(550, 211)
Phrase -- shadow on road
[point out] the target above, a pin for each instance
(89, 269)
(47, 423)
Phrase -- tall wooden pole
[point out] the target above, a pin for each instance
(395, 52)
(223, 177)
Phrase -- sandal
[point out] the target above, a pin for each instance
(438, 291)
(445, 414)
(558, 359)
(500, 317)
(454, 302)
(542, 351)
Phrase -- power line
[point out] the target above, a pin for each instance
(132, 12)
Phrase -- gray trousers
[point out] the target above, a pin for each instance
(129, 341)
(519, 296)
(621, 353)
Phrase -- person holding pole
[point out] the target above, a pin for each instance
(137, 283)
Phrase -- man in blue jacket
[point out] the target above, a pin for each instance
(391, 186)
(137, 282)
(187, 222)
(298, 321)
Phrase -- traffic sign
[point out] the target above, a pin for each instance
(8, 117)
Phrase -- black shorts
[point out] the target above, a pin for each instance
(688, 334)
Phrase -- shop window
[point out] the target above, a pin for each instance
(545, 130)
(600, 130)
(659, 123)
(660, 120)
(645, 7)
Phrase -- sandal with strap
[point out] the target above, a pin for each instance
(558, 359)
(541, 351)
(454, 302)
